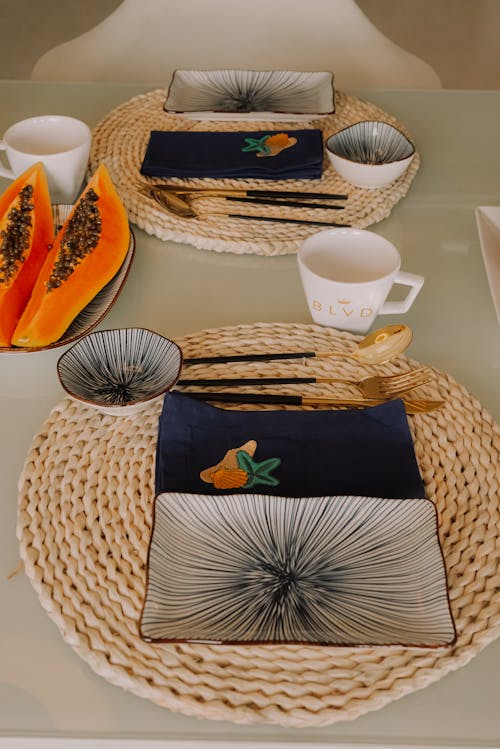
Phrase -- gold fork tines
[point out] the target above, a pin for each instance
(386, 386)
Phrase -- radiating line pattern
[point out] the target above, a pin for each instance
(327, 570)
(120, 366)
(251, 91)
(371, 142)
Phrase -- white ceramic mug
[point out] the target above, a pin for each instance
(61, 143)
(347, 275)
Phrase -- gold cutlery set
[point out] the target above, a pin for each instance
(380, 346)
(180, 201)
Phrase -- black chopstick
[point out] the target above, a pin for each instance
(294, 194)
(277, 220)
(225, 358)
(293, 400)
(236, 381)
(284, 202)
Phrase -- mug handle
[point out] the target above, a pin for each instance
(4, 171)
(406, 279)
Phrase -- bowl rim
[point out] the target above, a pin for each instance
(118, 406)
(361, 122)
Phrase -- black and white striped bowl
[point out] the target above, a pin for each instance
(254, 568)
(120, 371)
(370, 154)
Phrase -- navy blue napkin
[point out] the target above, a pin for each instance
(237, 155)
(362, 452)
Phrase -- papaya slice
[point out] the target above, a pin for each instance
(26, 234)
(88, 250)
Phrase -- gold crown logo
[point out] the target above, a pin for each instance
(344, 301)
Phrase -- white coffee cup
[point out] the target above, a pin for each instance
(347, 275)
(61, 143)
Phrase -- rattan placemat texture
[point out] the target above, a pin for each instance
(85, 507)
(120, 140)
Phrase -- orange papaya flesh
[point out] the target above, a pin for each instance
(88, 251)
(26, 235)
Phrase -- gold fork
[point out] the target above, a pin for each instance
(376, 386)
(412, 405)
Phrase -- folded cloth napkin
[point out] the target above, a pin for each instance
(209, 450)
(263, 154)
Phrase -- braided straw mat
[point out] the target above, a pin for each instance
(85, 508)
(120, 141)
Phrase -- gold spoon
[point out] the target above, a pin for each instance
(383, 344)
(173, 202)
(378, 347)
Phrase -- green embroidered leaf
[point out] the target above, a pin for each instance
(258, 473)
(266, 466)
(257, 144)
(263, 480)
(245, 461)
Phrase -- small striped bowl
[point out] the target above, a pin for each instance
(370, 154)
(120, 371)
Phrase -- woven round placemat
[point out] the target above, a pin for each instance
(120, 139)
(85, 508)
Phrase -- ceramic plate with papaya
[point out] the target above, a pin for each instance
(61, 267)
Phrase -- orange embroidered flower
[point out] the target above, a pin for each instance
(229, 478)
(278, 139)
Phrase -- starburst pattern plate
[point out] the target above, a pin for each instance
(250, 94)
(250, 568)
